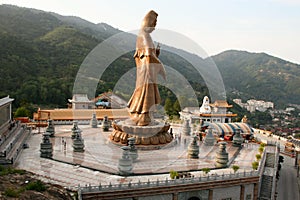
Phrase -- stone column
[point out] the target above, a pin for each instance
(105, 124)
(175, 196)
(186, 129)
(193, 149)
(125, 163)
(46, 146)
(132, 151)
(209, 138)
(221, 156)
(94, 122)
(242, 195)
(50, 128)
(237, 138)
(255, 191)
(210, 194)
(78, 142)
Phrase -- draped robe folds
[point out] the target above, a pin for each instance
(146, 93)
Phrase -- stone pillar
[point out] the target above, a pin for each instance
(105, 124)
(94, 122)
(46, 146)
(78, 142)
(242, 195)
(125, 163)
(255, 191)
(133, 150)
(186, 129)
(193, 149)
(237, 138)
(175, 196)
(221, 156)
(210, 194)
(209, 138)
(50, 128)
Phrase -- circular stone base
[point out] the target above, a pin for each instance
(155, 134)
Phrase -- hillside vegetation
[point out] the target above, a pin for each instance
(41, 52)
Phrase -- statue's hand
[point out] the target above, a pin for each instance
(157, 50)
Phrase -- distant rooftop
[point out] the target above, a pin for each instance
(5, 100)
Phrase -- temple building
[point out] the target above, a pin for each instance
(215, 112)
(81, 101)
(109, 100)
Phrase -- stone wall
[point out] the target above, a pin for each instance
(227, 192)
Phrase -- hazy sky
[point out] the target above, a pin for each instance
(271, 26)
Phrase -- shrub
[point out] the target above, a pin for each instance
(261, 149)
(36, 185)
(173, 174)
(258, 157)
(235, 168)
(255, 165)
(205, 170)
(10, 192)
(262, 144)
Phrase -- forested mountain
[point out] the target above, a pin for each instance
(260, 76)
(41, 52)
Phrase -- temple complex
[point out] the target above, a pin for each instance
(209, 112)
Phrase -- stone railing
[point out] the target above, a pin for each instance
(14, 137)
(166, 182)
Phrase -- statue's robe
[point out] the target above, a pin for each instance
(146, 93)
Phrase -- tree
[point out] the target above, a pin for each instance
(235, 168)
(168, 107)
(173, 174)
(261, 149)
(176, 108)
(205, 170)
(22, 112)
(255, 165)
(258, 157)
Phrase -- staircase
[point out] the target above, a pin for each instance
(13, 144)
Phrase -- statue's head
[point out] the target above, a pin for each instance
(149, 21)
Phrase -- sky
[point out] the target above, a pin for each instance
(270, 26)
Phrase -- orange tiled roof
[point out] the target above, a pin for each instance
(218, 115)
(75, 114)
(221, 103)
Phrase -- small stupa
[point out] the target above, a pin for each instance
(50, 128)
(209, 138)
(78, 142)
(46, 148)
(221, 156)
(125, 163)
(193, 149)
(186, 128)
(94, 122)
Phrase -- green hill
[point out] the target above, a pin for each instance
(41, 52)
(260, 76)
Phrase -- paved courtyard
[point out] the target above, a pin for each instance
(99, 162)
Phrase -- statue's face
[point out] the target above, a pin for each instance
(150, 24)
